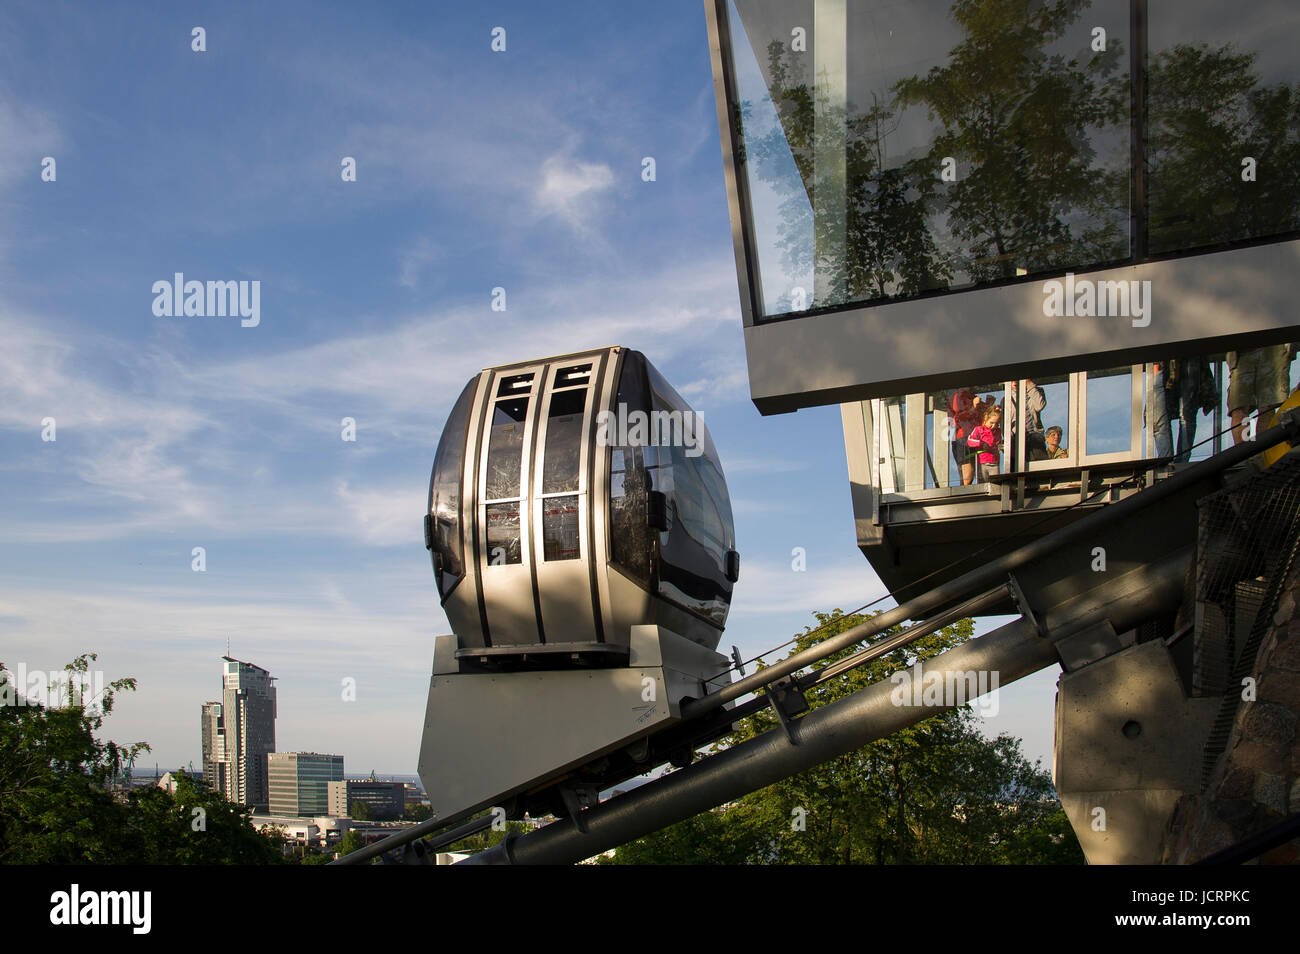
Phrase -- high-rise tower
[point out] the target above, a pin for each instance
(214, 747)
(239, 734)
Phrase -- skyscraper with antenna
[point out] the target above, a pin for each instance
(239, 733)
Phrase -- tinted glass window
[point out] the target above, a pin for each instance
(889, 149)
(1109, 411)
(503, 533)
(892, 149)
(563, 441)
(505, 448)
(696, 482)
(513, 384)
(560, 528)
(445, 490)
(692, 553)
(631, 540)
(1223, 129)
(569, 377)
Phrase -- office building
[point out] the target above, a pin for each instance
(214, 747)
(298, 782)
(239, 733)
(383, 799)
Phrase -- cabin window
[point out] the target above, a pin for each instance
(505, 449)
(563, 441)
(631, 540)
(560, 528)
(503, 534)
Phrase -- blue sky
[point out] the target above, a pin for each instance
(475, 169)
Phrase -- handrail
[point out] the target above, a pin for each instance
(400, 838)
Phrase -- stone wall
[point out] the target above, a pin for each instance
(1256, 783)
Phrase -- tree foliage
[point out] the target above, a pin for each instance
(418, 812)
(1024, 122)
(937, 792)
(197, 826)
(489, 838)
(57, 805)
(1208, 110)
(351, 841)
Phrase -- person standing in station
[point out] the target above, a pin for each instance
(1260, 379)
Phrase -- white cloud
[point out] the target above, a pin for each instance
(768, 464)
(151, 440)
(568, 188)
(308, 635)
(728, 384)
(384, 516)
(766, 588)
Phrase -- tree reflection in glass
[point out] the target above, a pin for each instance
(1031, 118)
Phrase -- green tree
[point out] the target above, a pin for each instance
(1207, 110)
(1023, 122)
(56, 806)
(418, 813)
(490, 838)
(935, 792)
(351, 841)
(728, 835)
(360, 811)
(197, 826)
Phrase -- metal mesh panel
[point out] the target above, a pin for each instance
(1246, 544)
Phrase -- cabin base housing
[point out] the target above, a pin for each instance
(547, 741)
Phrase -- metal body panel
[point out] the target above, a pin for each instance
(563, 586)
(490, 736)
(854, 419)
(511, 615)
(604, 391)
(631, 604)
(464, 604)
(1236, 300)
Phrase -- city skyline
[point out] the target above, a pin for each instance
(202, 472)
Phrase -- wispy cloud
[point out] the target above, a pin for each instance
(384, 516)
(311, 637)
(219, 443)
(728, 383)
(568, 188)
(29, 134)
(415, 260)
(772, 587)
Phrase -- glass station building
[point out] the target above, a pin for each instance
(1085, 209)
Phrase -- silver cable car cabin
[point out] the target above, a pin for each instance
(584, 553)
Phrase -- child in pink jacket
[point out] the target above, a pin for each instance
(986, 440)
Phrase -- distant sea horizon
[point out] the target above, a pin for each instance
(138, 773)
